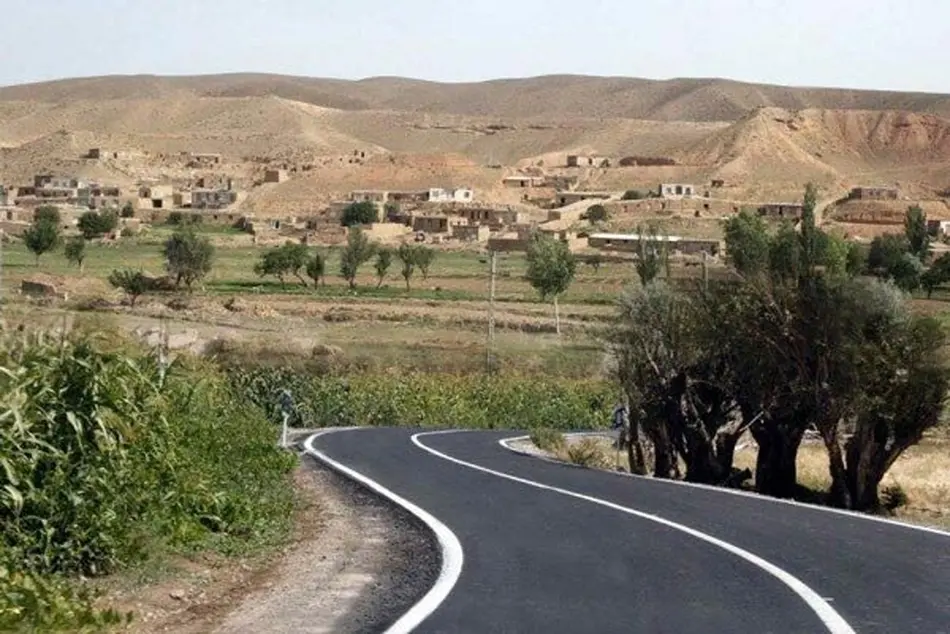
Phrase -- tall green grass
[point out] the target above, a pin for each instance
(468, 401)
(103, 458)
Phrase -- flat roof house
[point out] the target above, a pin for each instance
(677, 190)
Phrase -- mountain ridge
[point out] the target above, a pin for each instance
(551, 96)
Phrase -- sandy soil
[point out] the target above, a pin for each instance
(354, 564)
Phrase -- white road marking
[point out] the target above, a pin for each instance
(828, 615)
(747, 494)
(452, 555)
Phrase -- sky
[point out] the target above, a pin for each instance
(878, 44)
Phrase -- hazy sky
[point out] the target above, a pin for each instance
(886, 44)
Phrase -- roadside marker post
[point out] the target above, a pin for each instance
(286, 409)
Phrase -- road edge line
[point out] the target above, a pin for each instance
(834, 622)
(452, 555)
(746, 494)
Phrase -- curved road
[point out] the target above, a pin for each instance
(553, 548)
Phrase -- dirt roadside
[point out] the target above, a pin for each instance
(354, 564)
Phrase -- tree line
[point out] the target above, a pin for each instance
(294, 259)
(812, 333)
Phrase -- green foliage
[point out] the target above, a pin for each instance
(937, 275)
(103, 457)
(551, 266)
(408, 255)
(857, 260)
(392, 210)
(384, 258)
(632, 194)
(747, 243)
(42, 236)
(358, 251)
(890, 257)
(425, 256)
(128, 210)
(597, 213)
(287, 259)
(47, 213)
(361, 213)
(547, 439)
(915, 230)
(427, 400)
(75, 250)
(134, 283)
(595, 261)
(885, 252)
(653, 255)
(786, 255)
(94, 224)
(316, 268)
(188, 257)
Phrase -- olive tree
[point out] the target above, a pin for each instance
(188, 257)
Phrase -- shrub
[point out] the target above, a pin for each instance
(134, 283)
(93, 224)
(110, 455)
(893, 497)
(362, 213)
(547, 439)
(414, 399)
(632, 194)
(597, 213)
(588, 452)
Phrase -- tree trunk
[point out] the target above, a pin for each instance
(839, 492)
(664, 460)
(869, 458)
(635, 455)
(557, 317)
(776, 473)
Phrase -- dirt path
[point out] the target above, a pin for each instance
(353, 565)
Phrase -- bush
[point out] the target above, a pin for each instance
(632, 194)
(893, 497)
(110, 456)
(93, 224)
(423, 400)
(362, 213)
(596, 213)
(588, 452)
(547, 439)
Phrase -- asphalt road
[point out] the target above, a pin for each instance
(564, 549)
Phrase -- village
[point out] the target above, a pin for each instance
(551, 202)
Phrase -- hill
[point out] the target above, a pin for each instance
(773, 144)
(556, 96)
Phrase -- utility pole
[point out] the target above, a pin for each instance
(491, 314)
(3, 235)
(705, 271)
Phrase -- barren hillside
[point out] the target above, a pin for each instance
(773, 144)
(550, 96)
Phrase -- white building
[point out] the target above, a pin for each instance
(460, 195)
(677, 190)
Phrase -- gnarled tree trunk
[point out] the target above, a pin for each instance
(776, 473)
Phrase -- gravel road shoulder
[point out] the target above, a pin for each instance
(355, 564)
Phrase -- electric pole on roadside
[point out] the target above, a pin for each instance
(3, 236)
(491, 314)
(705, 271)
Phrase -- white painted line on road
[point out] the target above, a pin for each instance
(747, 494)
(452, 555)
(828, 615)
